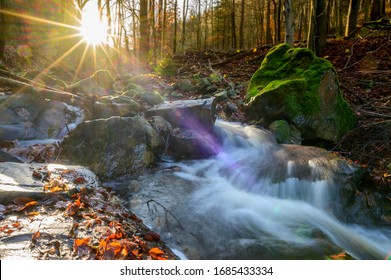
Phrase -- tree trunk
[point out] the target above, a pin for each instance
(206, 14)
(241, 28)
(184, 15)
(234, 43)
(108, 15)
(3, 29)
(289, 22)
(321, 26)
(269, 38)
(311, 25)
(164, 29)
(174, 43)
(377, 10)
(144, 31)
(351, 24)
(199, 25)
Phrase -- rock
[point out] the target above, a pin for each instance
(113, 147)
(110, 106)
(196, 114)
(295, 85)
(6, 157)
(28, 115)
(152, 98)
(17, 179)
(45, 79)
(183, 84)
(100, 83)
(162, 126)
(192, 144)
(285, 133)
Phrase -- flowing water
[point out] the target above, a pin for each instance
(255, 199)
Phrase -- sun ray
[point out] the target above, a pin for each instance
(80, 63)
(58, 60)
(38, 19)
(110, 61)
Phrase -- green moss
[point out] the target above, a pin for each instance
(294, 87)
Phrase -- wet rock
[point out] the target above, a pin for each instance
(285, 133)
(110, 106)
(196, 114)
(192, 144)
(6, 157)
(17, 180)
(113, 147)
(28, 115)
(295, 85)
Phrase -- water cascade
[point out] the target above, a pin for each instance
(255, 199)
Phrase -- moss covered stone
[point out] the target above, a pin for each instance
(294, 85)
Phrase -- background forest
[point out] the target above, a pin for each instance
(49, 31)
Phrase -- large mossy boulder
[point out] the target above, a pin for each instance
(113, 147)
(293, 84)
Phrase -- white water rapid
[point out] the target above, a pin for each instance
(256, 199)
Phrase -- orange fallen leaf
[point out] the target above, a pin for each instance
(157, 254)
(33, 214)
(23, 200)
(16, 225)
(79, 180)
(80, 242)
(31, 203)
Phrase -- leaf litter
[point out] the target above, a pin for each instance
(76, 221)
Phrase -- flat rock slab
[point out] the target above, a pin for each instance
(196, 114)
(28, 180)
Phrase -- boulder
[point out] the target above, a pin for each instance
(29, 115)
(192, 144)
(45, 79)
(113, 147)
(25, 180)
(6, 157)
(100, 83)
(152, 98)
(295, 85)
(109, 106)
(196, 114)
(285, 133)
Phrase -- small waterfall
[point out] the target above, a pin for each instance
(258, 199)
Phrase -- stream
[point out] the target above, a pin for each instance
(255, 199)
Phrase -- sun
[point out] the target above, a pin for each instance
(93, 30)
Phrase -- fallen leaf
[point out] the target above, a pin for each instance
(157, 254)
(23, 200)
(33, 214)
(31, 203)
(79, 180)
(16, 225)
(37, 175)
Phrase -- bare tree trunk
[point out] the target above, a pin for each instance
(184, 12)
(278, 37)
(311, 25)
(206, 14)
(199, 25)
(144, 31)
(351, 24)
(234, 43)
(3, 29)
(378, 9)
(241, 28)
(164, 27)
(321, 24)
(269, 39)
(289, 22)
(174, 43)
